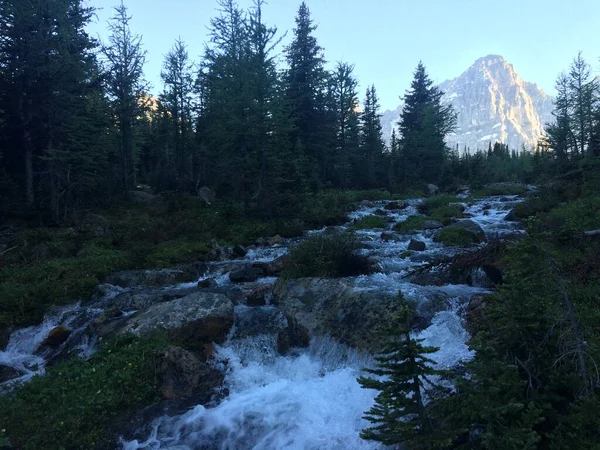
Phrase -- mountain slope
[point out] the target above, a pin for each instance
(493, 104)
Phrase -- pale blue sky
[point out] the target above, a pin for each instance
(385, 39)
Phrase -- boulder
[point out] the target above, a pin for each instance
(511, 216)
(417, 246)
(472, 228)
(379, 212)
(272, 268)
(200, 317)
(475, 313)
(240, 251)
(56, 337)
(260, 242)
(207, 283)
(422, 208)
(333, 307)
(180, 374)
(432, 225)
(460, 206)
(274, 240)
(95, 225)
(8, 373)
(392, 206)
(157, 277)
(142, 197)
(365, 204)
(137, 299)
(207, 194)
(432, 189)
(260, 295)
(246, 274)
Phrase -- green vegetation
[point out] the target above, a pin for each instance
(442, 200)
(499, 189)
(455, 237)
(331, 255)
(399, 414)
(368, 222)
(77, 402)
(446, 212)
(411, 223)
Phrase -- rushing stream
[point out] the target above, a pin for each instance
(309, 399)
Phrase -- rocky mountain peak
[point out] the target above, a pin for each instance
(493, 104)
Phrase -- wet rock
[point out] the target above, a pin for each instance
(259, 296)
(143, 198)
(438, 278)
(432, 189)
(246, 274)
(272, 268)
(207, 194)
(460, 206)
(333, 307)
(475, 313)
(181, 374)
(463, 190)
(386, 236)
(495, 275)
(138, 299)
(240, 251)
(365, 204)
(56, 337)
(511, 216)
(8, 373)
(472, 227)
(274, 240)
(432, 225)
(260, 242)
(486, 207)
(207, 283)
(393, 206)
(417, 246)
(259, 320)
(379, 212)
(199, 317)
(157, 277)
(422, 208)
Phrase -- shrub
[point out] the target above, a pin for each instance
(74, 405)
(411, 223)
(368, 222)
(331, 255)
(455, 237)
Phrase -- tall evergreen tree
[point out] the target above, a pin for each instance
(371, 139)
(424, 123)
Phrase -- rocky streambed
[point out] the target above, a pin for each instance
(286, 354)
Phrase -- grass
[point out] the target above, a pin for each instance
(455, 237)
(442, 200)
(331, 255)
(369, 222)
(445, 212)
(76, 403)
(500, 189)
(411, 223)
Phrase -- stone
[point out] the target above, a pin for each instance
(8, 373)
(366, 204)
(95, 225)
(137, 299)
(56, 337)
(157, 277)
(379, 212)
(207, 283)
(142, 197)
(392, 206)
(259, 296)
(475, 313)
(460, 206)
(180, 374)
(260, 242)
(432, 225)
(207, 194)
(246, 274)
(417, 246)
(511, 216)
(422, 208)
(274, 240)
(432, 189)
(386, 236)
(240, 251)
(200, 317)
(472, 227)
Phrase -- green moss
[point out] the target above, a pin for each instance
(455, 237)
(74, 405)
(442, 200)
(369, 222)
(411, 223)
(446, 212)
(331, 255)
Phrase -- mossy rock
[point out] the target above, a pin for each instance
(410, 224)
(462, 234)
(369, 222)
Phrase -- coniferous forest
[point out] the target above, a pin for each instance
(264, 137)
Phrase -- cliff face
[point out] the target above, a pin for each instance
(493, 104)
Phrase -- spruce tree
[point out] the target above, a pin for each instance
(402, 377)
(424, 123)
(371, 140)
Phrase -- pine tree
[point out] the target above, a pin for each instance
(371, 139)
(424, 124)
(125, 87)
(402, 377)
(583, 90)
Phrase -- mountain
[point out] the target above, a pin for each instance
(493, 104)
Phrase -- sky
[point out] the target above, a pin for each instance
(385, 39)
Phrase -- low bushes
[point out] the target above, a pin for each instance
(368, 222)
